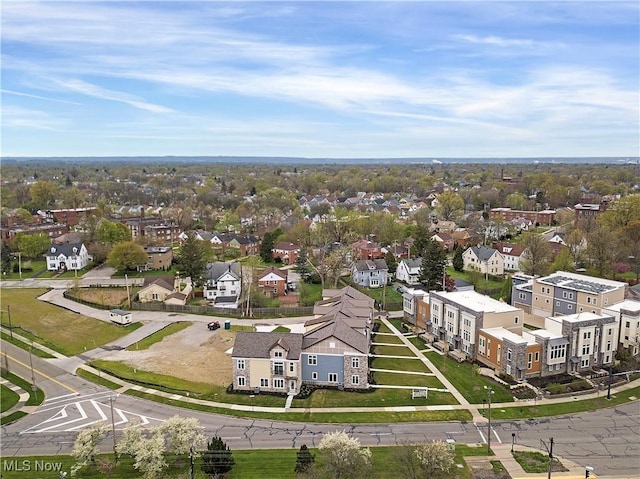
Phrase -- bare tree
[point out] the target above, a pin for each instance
(535, 256)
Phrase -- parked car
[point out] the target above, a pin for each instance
(213, 325)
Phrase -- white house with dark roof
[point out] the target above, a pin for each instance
(68, 256)
(370, 273)
(483, 259)
(223, 284)
(409, 271)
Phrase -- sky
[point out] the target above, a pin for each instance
(328, 79)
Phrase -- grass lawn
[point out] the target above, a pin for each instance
(565, 408)
(393, 351)
(249, 464)
(537, 462)
(399, 379)
(35, 397)
(21, 344)
(29, 269)
(282, 329)
(94, 378)
(467, 381)
(61, 330)
(388, 339)
(383, 327)
(8, 398)
(158, 336)
(400, 364)
(418, 343)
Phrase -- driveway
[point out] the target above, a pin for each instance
(101, 272)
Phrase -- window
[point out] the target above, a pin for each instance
(570, 306)
(516, 320)
(587, 335)
(240, 364)
(557, 352)
(627, 324)
(277, 354)
(292, 367)
(584, 363)
(509, 354)
(314, 376)
(557, 303)
(355, 380)
(333, 377)
(332, 344)
(499, 354)
(610, 331)
(278, 368)
(312, 360)
(155, 296)
(588, 300)
(278, 383)
(537, 356)
(264, 382)
(355, 362)
(241, 381)
(586, 349)
(529, 362)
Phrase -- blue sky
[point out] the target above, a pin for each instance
(321, 79)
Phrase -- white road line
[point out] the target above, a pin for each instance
(59, 415)
(83, 416)
(496, 435)
(53, 399)
(77, 400)
(484, 439)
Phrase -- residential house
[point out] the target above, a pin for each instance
(415, 307)
(53, 230)
(627, 314)
(408, 270)
(463, 237)
(247, 245)
(166, 289)
(519, 356)
(162, 233)
(588, 212)
(287, 253)
(267, 362)
(398, 251)
(370, 273)
(223, 284)
(456, 318)
(333, 351)
(442, 226)
(511, 253)
(483, 259)
(365, 249)
(566, 293)
(445, 240)
(70, 216)
(158, 258)
(68, 256)
(273, 281)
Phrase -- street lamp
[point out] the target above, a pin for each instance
(513, 440)
(587, 471)
(489, 393)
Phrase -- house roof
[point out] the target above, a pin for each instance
(259, 345)
(286, 246)
(511, 249)
(483, 253)
(370, 264)
(412, 263)
(339, 330)
(165, 282)
(214, 270)
(66, 249)
(272, 269)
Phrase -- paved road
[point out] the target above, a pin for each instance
(607, 439)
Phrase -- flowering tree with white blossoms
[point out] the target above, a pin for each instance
(85, 448)
(344, 457)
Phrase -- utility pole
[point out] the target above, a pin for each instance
(113, 428)
(550, 449)
(33, 377)
(9, 317)
(489, 393)
(608, 386)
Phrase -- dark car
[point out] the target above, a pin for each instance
(213, 325)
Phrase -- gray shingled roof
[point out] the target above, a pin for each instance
(65, 249)
(371, 264)
(259, 345)
(482, 252)
(340, 331)
(217, 269)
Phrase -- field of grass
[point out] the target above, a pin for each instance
(59, 329)
(8, 398)
(537, 462)
(387, 339)
(95, 378)
(29, 269)
(399, 350)
(35, 397)
(400, 364)
(158, 336)
(469, 383)
(249, 464)
(399, 379)
(21, 344)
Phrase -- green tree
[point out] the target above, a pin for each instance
(112, 232)
(432, 271)
(602, 244)
(126, 256)
(43, 194)
(505, 292)
(32, 246)
(421, 238)
(302, 267)
(535, 256)
(218, 458)
(458, 261)
(304, 459)
(5, 258)
(392, 262)
(563, 262)
(450, 205)
(193, 257)
(425, 461)
(267, 243)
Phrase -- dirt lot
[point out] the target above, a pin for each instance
(195, 354)
(103, 295)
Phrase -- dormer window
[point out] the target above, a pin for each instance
(277, 354)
